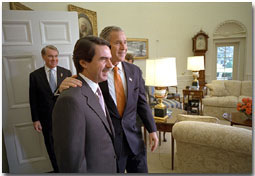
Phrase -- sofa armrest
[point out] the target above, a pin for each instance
(210, 119)
(213, 135)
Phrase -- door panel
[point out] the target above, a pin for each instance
(24, 34)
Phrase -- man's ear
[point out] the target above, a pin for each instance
(83, 63)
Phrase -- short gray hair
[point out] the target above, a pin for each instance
(43, 52)
(105, 34)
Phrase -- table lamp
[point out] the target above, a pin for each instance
(195, 64)
(161, 73)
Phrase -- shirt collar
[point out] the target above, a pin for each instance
(47, 69)
(91, 84)
(120, 66)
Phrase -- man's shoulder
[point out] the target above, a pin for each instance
(37, 71)
(131, 66)
(63, 69)
(72, 91)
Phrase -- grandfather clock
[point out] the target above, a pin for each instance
(200, 46)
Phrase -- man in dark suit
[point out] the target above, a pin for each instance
(82, 126)
(123, 103)
(43, 83)
(129, 145)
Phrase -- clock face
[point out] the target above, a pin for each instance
(200, 43)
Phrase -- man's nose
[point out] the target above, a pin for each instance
(109, 63)
(123, 46)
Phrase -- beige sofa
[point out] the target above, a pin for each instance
(224, 96)
(203, 147)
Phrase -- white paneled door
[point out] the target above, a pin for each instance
(24, 34)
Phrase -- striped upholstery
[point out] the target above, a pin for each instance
(169, 103)
(172, 103)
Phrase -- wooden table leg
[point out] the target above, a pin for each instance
(172, 140)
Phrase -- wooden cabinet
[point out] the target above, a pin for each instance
(192, 101)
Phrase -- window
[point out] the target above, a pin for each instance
(225, 57)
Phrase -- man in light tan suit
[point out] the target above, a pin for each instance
(82, 128)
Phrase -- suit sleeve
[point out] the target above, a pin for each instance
(33, 97)
(69, 126)
(143, 108)
(69, 73)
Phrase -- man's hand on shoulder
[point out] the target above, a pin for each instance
(70, 82)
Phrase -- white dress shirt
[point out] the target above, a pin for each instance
(91, 84)
(110, 81)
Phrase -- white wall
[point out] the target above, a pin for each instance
(172, 24)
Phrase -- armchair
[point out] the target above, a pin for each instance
(204, 147)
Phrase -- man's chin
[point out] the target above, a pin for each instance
(121, 59)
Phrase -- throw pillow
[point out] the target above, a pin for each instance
(217, 90)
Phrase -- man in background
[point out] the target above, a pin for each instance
(82, 127)
(129, 58)
(43, 83)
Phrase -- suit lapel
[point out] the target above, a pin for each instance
(93, 103)
(129, 82)
(108, 98)
(60, 76)
(44, 79)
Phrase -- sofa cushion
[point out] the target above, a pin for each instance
(217, 90)
(246, 88)
(210, 119)
(227, 101)
(233, 87)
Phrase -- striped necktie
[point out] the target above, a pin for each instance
(101, 99)
(52, 81)
(119, 91)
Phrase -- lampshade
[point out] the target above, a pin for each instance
(161, 72)
(195, 63)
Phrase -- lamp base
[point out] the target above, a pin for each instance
(195, 85)
(160, 112)
(195, 82)
(160, 109)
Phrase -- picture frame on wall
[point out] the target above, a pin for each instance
(138, 47)
(87, 20)
(18, 6)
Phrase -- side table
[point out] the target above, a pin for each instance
(193, 99)
(167, 127)
(238, 118)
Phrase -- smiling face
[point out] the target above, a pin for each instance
(51, 58)
(97, 70)
(118, 43)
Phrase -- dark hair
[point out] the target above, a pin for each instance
(84, 49)
(105, 33)
(43, 51)
(129, 57)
